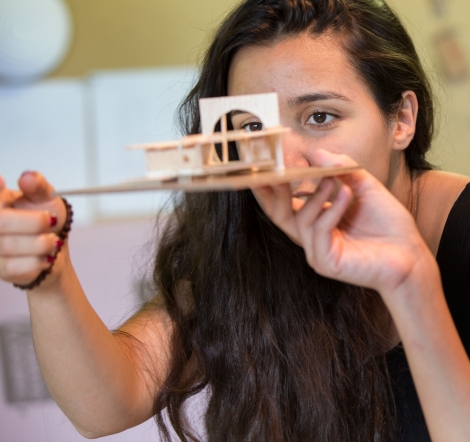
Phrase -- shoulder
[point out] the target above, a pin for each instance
(444, 184)
(438, 192)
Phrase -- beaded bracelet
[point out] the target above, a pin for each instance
(63, 236)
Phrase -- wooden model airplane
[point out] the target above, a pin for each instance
(193, 164)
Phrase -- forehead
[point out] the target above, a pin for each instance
(294, 65)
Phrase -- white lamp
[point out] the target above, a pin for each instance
(34, 38)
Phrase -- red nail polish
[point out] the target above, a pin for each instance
(58, 244)
(53, 219)
(50, 258)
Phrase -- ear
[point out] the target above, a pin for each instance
(405, 123)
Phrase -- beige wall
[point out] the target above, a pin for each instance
(451, 150)
(139, 33)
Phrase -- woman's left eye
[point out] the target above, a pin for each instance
(320, 118)
(252, 126)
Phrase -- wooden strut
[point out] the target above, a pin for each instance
(223, 127)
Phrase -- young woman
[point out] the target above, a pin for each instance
(288, 310)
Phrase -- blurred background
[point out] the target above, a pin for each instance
(80, 79)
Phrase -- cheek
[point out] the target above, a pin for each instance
(370, 145)
(299, 149)
(372, 149)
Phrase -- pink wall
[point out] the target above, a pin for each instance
(109, 258)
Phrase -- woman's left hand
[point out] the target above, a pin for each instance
(365, 237)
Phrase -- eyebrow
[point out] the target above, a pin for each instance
(302, 99)
(309, 98)
(237, 112)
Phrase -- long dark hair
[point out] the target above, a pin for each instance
(286, 354)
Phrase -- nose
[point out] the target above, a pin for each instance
(296, 152)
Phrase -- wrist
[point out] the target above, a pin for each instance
(416, 286)
(58, 273)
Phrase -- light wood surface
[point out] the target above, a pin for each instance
(217, 183)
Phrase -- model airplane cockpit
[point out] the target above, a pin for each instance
(196, 155)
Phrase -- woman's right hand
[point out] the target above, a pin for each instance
(365, 237)
(30, 219)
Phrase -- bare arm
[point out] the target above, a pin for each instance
(99, 380)
(437, 359)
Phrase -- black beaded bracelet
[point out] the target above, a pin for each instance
(63, 236)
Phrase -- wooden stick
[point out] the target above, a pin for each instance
(218, 183)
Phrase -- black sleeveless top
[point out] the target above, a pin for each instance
(453, 258)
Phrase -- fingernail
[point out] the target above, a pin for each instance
(28, 172)
(50, 258)
(58, 244)
(53, 219)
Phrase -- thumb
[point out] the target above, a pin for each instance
(7, 196)
(324, 158)
(356, 179)
(35, 187)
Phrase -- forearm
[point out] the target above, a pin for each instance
(86, 368)
(436, 356)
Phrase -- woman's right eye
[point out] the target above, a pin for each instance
(252, 126)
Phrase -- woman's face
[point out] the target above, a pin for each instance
(321, 97)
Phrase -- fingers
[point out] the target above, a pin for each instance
(320, 235)
(358, 180)
(317, 222)
(7, 196)
(313, 225)
(316, 204)
(35, 188)
(25, 250)
(310, 214)
(26, 221)
(327, 159)
(276, 201)
(263, 197)
(21, 270)
(330, 218)
(280, 204)
(23, 257)
(29, 245)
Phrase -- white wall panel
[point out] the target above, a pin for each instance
(42, 128)
(109, 258)
(74, 132)
(451, 148)
(127, 108)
